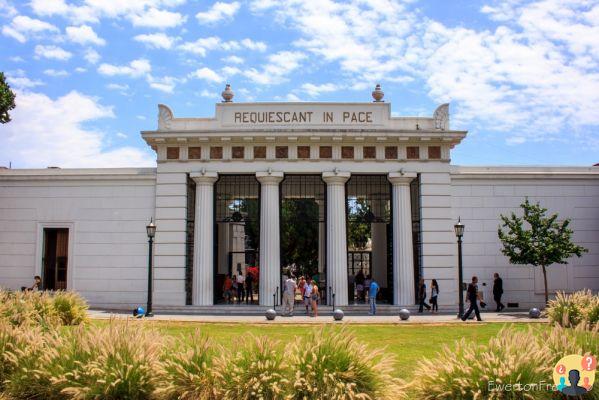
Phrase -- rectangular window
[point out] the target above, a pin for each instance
(434, 152)
(282, 152)
(194, 153)
(216, 152)
(391, 153)
(303, 151)
(347, 152)
(326, 152)
(413, 152)
(259, 151)
(369, 152)
(238, 152)
(172, 153)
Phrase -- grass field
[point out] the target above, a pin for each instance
(408, 343)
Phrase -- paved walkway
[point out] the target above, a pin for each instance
(425, 318)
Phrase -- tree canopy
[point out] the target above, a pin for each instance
(537, 239)
(7, 99)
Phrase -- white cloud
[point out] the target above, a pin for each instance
(278, 66)
(7, 9)
(164, 84)
(208, 94)
(202, 45)
(16, 59)
(292, 97)
(232, 59)
(121, 135)
(156, 40)
(46, 131)
(56, 72)
(252, 45)
(23, 27)
(91, 56)
(315, 90)
(206, 74)
(515, 140)
(218, 11)
(117, 86)
(83, 35)
(155, 18)
(52, 52)
(80, 70)
(134, 69)
(18, 80)
(230, 71)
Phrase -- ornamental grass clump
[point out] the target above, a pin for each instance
(254, 369)
(28, 308)
(16, 343)
(186, 371)
(570, 310)
(71, 308)
(335, 365)
(499, 370)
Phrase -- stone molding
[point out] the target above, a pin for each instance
(401, 178)
(204, 177)
(269, 177)
(335, 177)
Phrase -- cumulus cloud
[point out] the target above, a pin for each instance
(46, 131)
(276, 69)
(201, 46)
(91, 56)
(23, 27)
(315, 90)
(134, 69)
(219, 11)
(56, 72)
(18, 80)
(156, 40)
(206, 74)
(155, 18)
(52, 52)
(84, 35)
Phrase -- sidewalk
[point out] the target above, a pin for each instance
(415, 319)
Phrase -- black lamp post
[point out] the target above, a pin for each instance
(459, 232)
(151, 230)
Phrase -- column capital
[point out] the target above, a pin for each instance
(204, 177)
(401, 178)
(269, 177)
(335, 177)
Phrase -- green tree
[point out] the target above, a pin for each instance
(7, 99)
(537, 239)
(358, 224)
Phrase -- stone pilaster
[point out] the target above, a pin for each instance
(270, 258)
(403, 256)
(336, 235)
(203, 264)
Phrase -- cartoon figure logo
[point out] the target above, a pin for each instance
(574, 375)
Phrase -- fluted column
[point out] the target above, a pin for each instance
(336, 235)
(403, 256)
(203, 257)
(270, 258)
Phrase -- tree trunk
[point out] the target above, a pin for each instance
(545, 282)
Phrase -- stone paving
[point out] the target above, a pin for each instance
(425, 318)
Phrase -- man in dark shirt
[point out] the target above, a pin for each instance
(473, 297)
(498, 291)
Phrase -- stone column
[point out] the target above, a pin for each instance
(270, 255)
(203, 239)
(403, 256)
(336, 235)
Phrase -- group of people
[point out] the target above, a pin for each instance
(473, 296)
(240, 287)
(362, 285)
(310, 295)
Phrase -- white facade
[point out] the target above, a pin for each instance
(106, 210)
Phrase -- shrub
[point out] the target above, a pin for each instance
(334, 365)
(471, 371)
(255, 369)
(15, 343)
(187, 373)
(71, 307)
(573, 309)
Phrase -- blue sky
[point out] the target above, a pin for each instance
(522, 77)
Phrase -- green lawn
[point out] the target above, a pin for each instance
(408, 343)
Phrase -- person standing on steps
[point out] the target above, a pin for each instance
(249, 289)
(240, 291)
(308, 294)
(422, 296)
(473, 297)
(289, 296)
(434, 295)
(498, 291)
(373, 290)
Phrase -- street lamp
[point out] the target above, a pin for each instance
(151, 230)
(459, 232)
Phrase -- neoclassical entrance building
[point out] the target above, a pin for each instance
(326, 190)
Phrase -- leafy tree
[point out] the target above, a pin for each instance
(299, 235)
(537, 239)
(359, 224)
(7, 99)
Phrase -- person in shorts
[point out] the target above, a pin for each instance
(308, 294)
(227, 289)
(314, 296)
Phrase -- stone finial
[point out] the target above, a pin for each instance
(165, 117)
(227, 94)
(441, 117)
(378, 94)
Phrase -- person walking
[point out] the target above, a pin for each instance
(289, 296)
(308, 294)
(315, 294)
(249, 290)
(498, 291)
(240, 291)
(434, 295)
(373, 290)
(473, 296)
(422, 296)
(227, 286)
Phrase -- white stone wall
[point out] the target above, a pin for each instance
(106, 212)
(480, 195)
